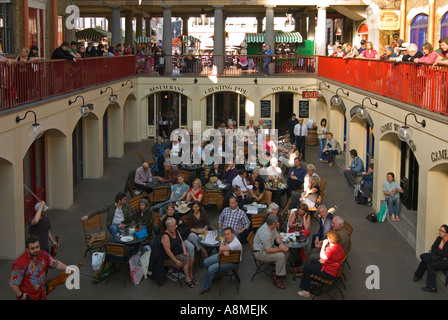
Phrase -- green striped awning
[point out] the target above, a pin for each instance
(286, 37)
(91, 34)
(190, 38)
(142, 39)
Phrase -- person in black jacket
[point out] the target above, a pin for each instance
(436, 259)
(62, 53)
(291, 124)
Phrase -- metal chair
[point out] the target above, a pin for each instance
(262, 266)
(326, 286)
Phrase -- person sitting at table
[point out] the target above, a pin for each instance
(230, 172)
(143, 217)
(311, 194)
(229, 243)
(296, 176)
(215, 171)
(178, 193)
(240, 159)
(268, 246)
(235, 218)
(273, 171)
(119, 215)
(195, 193)
(325, 224)
(310, 171)
(197, 224)
(235, 191)
(331, 256)
(175, 146)
(259, 191)
(176, 252)
(142, 177)
(299, 221)
(171, 172)
(240, 181)
(273, 209)
(253, 176)
(291, 155)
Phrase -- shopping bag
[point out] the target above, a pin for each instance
(97, 260)
(383, 213)
(135, 270)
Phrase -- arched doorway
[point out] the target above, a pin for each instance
(419, 30)
(363, 32)
(225, 106)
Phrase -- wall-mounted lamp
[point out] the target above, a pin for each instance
(113, 97)
(361, 112)
(336, 100)
(203, 14)
(36, 130)
(405, 133)
(132, 85)
(195, 81)
(256, 82)
(85, 108)
(320, 88)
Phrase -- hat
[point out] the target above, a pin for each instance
(404, 46)
(213, 179)
(183, 208)
(36, 207)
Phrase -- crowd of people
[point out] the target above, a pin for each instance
(397, 51)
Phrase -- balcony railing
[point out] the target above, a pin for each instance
(24, 82)
(419, 84)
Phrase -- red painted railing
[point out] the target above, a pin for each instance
(419, 84)
(23, 82)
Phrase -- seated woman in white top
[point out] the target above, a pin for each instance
(273, 171)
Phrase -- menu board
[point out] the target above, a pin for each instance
(265, 108)
(304, 109)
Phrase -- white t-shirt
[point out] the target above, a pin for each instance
(235, 245)
(240, 182)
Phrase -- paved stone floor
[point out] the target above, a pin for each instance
(372, 244)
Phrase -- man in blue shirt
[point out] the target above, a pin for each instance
(296, 176)
(355, 169)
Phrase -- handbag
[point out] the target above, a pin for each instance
(429, 257)
(142, 233)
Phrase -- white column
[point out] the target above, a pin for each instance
(320, 30)
(218, 39)
(371, 21)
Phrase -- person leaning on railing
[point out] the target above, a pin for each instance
(443, 55)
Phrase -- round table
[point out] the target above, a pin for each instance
(277, 192)
(132, 244)
(194, 168)
(295, 245)
(155, 183)
(224, 187)
(201, 241)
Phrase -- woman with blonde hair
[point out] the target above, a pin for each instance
(195, 193)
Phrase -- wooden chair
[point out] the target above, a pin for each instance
(129, 183)
(268, 197)
(186, 175)
(94, 235)
(156, 219)
(159, 194)
(326, 286)
(262, 266)
(313, 211)
(348, 227)
(140, 154)
(116, 252)
(257, 220)
(233, 257)
(214, 197)
(135, 201)
(285, 220)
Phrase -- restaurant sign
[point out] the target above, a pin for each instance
(389, 20)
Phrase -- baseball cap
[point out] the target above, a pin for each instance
(36, 207)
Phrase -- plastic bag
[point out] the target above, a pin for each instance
(144, 263)
(135, 270)
(383, 213)
(97, 260)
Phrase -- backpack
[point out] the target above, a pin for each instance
(360, 199)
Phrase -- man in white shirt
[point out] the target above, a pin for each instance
(240, 181)
(229, 243)
(301, 131)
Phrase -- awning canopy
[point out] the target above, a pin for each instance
(190, 38)
(92, 34)
(143, 39)
(279, 36)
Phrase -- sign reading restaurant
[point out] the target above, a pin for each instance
(389, 20)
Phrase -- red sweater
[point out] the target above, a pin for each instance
(335, 254)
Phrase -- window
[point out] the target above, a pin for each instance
(6, 31)
(209, 112)
(151, 110)
(419, 30)
(444, 26)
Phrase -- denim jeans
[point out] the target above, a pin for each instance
(266, 67)
(321, 147)
(113, 231)
(393, 206)
(211, 263)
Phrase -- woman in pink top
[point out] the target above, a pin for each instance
(369, 53)
(430, 55)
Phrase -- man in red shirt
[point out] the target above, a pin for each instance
(29, 271)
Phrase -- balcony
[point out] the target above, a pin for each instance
(416, 84)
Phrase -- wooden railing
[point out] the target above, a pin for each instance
(419, 84)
